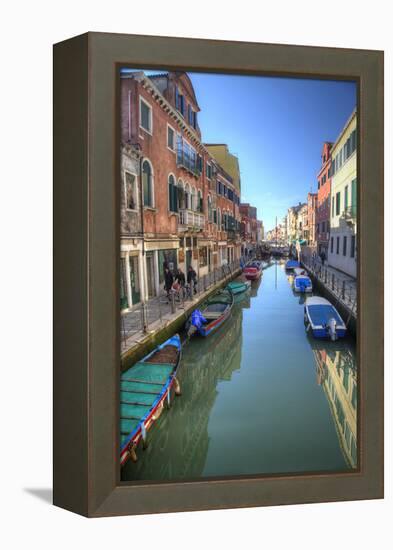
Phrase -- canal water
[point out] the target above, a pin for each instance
(258, 397)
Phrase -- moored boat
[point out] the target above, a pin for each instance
(144, 390)
(253, 271)
(302, 283)
(212, 315)
(238, 287)
(322, 318)
(292, 264)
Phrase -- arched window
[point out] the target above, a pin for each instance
(181, 195)
(172, 194)
(194, 205)
(187, 198)
(200, 201)
(147, 183)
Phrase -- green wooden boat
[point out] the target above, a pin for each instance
(238, 287)
(144, 388)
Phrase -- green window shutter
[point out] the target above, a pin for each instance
(175, 199)
(145, 189)
(346, 197)
(170, 192)
(353, 195)
(149, 201)
(147, 184)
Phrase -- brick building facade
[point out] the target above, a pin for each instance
(249, 225)
(177, 203)
(310, 235)
(323, 202)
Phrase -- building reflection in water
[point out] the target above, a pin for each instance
(180, 440)
(337, 374)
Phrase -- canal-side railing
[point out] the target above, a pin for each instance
(342, 286)
(160, 308)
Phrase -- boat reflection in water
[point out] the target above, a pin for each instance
(180, 443)
(337, 375)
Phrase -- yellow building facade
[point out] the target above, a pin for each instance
(227, 160)
(342, 246)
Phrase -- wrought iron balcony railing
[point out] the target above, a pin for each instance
(233, 233)
(191, 219)
(349, 214)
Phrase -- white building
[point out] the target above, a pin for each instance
(342, 246)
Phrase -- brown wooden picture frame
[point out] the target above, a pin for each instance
(86, 273)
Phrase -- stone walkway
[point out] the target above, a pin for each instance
(157, 312)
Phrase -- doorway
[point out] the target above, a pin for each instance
(134, 280)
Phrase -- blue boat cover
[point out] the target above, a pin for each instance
(302, 282)
(292, 264)
(321, 314)
(197, 319)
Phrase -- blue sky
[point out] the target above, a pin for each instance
(276, 127)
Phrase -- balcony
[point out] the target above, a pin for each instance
(222, 235)
(188, 219)
(187, 161)
(349, 215)
(233, 234)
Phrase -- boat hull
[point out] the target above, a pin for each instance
(216, 312)
(207, 330)
(238, 288)
(302, 288)
(163, 394)
(318, 317)
(291, 265)
(323, 334)
(251, 276)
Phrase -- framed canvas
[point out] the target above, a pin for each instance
(97, 76)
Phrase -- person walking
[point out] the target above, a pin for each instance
(180, 280)
(323, 257)
(180, 277)
(168, 281)
(191, 279)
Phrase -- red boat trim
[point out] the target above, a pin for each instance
(208, 328)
